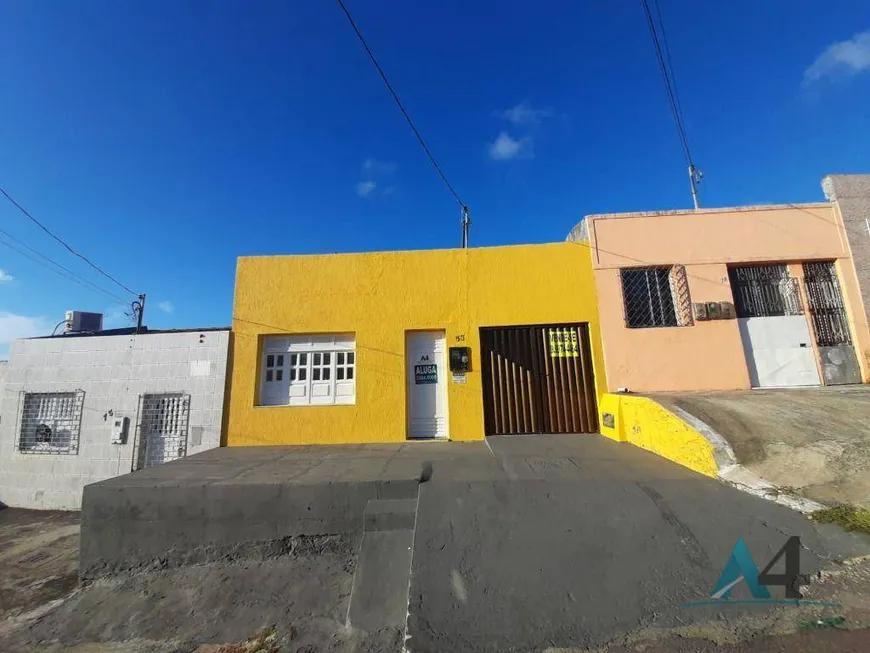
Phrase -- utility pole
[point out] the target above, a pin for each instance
(466, 222)
(139, 308)
(695, 177)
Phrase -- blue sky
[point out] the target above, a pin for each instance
(163, 139)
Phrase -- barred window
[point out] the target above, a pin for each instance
(50, 422)
(765, 291)
(648, 297)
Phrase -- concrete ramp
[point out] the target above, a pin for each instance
(811, 442)
(515, 544)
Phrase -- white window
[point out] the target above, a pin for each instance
(274, 368)
(308, 370)
(50, 422)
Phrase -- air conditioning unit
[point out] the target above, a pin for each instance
(83, 322)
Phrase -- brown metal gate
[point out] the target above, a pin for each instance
(538, 379)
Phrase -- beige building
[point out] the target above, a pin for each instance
(721, 299)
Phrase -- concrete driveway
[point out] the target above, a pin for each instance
(811, 442)
(582, 542)
(538, 543)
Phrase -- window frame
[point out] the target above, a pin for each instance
(658, 319)
(72, 421)
(310, 370)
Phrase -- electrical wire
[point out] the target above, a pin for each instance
(58, 265)
(667, 78)
(400, 105)
(673, 77)
(64, 243)
(63, 272)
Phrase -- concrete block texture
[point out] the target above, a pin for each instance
(112, 371)
(851, 194)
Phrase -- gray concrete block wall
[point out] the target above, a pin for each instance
(113, 371)
(851, 193)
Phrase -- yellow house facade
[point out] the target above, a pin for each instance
(389, 346)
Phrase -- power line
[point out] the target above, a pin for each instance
(401, 107)
(668, 82)
(666, 69)
(64, 243)
(56, 264)
(673, 77)
(63, 272)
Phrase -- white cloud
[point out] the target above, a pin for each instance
(842, 58)
(524, 114)
(373, 166)
(5, 278)
(365, 188)
(505, 147)
(166, 306)
(14, 326)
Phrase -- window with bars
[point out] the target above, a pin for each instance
(308, 370)
(50, 422)
(650, 297)
(764, 291)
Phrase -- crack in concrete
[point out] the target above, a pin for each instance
(697, 555)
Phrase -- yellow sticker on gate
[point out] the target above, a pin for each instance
(563, 343)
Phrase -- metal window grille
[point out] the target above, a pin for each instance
(50, 422)
(826, 304)
(648, 297)
(162, 429)
(765, 291)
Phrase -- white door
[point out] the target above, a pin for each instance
(426, 363)
(779, 351)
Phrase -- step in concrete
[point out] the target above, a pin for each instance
(380, 585)
(390, 514)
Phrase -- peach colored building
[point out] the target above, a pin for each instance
(721, 299)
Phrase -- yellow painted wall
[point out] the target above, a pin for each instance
(646, 424)
(378, 297)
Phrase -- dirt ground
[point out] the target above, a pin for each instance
(204, 608)
(304, 596)
(38, 559)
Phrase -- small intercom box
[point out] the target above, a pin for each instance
(119, 429)
(460, 359)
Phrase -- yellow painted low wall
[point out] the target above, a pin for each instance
(646, 424)
(379, 297)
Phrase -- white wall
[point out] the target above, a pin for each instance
(113, 371)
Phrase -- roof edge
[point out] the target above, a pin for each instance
(730, 209)
(127, 331)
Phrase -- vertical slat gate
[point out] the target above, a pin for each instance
(538, 379)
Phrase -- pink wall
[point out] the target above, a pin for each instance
(708, 355)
